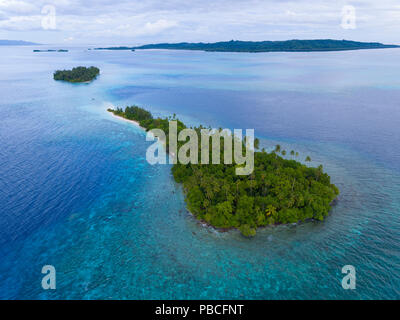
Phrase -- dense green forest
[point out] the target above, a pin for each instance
(78, 74)
(278, 191)
(264, 46)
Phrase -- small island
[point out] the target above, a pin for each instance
(51, 50)
(279, 191)
(78, 74)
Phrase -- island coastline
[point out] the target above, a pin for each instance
(295, 45)
(77, 74)
(280, 215)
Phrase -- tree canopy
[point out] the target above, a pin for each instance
(78, 74)
(294, 45)
(279, 190)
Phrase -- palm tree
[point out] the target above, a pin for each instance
(292, 153)
(308, 159)
(278, 148)
(271, 210)
(283, 152)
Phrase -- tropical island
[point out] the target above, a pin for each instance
(279, 191)
(114, 48)
(78, 74)
(51, 50)
(264, 46)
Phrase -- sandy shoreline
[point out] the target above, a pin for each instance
(138, 125)
(128, 120)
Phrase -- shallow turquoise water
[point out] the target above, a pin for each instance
(76, 191)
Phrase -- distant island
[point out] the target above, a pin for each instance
(114, 48)
(51, 50)
(264, 46)
(78, 74)
(17, 43)
(279, 191)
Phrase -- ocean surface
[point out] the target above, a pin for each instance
(77, 193)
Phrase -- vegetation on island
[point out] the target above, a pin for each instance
(279, 191)
(264, 46)
(51, 50)
(78, 74)
(114, 48)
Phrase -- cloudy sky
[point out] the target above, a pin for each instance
(147, 21)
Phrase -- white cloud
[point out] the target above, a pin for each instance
(17, 7)
(21, 23)
(158, 26)
(132, 21)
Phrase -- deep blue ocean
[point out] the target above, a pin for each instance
(77, 193)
